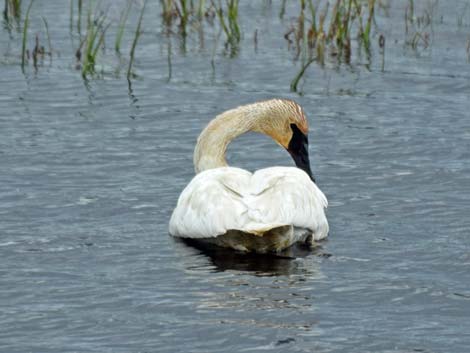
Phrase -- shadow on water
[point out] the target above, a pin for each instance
(276, 264)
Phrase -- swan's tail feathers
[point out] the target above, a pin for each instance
(259, 239)
(260, 229)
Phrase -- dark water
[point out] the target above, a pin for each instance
(90, 172)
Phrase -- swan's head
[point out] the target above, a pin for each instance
(286, 123)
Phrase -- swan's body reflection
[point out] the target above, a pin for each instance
(258, 292)
(283, 263)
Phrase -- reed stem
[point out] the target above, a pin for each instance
(47, 35)
(295, 81)
(79, 21)
(136, 38)
(25, 35)
(121, 27)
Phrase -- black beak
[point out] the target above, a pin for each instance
(298, 149)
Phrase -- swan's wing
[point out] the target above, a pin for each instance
(227, 198)
(286, 195)
(211, 204)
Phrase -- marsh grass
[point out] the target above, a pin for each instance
(201, 9)
(168, 12)
(38, 52)
(419, 27)
(468, 49)
(183, 13)
(25, 36)
(97, 26)
(134, 42)
(282, 11)
(12, 10)
(323, 32)
(91, 43)
(365, 34)
(79, 19)
(71, 16)
(191, 15)
(294, 83)
(382, 51)
(228, 18)
(319, 32)
(46, 26)
(122, 25)
(183, 10)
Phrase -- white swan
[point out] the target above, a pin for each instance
(265, 211)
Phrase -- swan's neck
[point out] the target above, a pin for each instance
(214, 139)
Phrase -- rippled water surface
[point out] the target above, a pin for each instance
(91, 170)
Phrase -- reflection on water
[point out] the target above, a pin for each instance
(283, 263)
(240, 291)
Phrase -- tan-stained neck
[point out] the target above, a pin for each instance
(268, 117)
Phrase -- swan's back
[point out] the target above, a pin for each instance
(222, 200)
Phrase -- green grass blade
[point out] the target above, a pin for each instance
(47, 35)
(295, 81)
(136, 38)
(122, 25)
(25, 35)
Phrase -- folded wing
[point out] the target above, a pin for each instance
(227, 198)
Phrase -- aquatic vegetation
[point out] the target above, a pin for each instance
(182, 10)
(228, 18)
(468, 49)
(79, 20)
(97, 25)
(121, 26)
(25, 35)
(192, 16)
(318, 32)
(12, 10)
(418, 28)
(136, 38)
(382, 50)
(46, 26)
(365, 34)
(322, 32)
(38, 52)
(295, 81)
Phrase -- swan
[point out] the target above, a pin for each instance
(265, 211)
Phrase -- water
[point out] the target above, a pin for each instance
(90, 172)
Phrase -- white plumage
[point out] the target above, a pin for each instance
(227, 198)
(264, 211)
